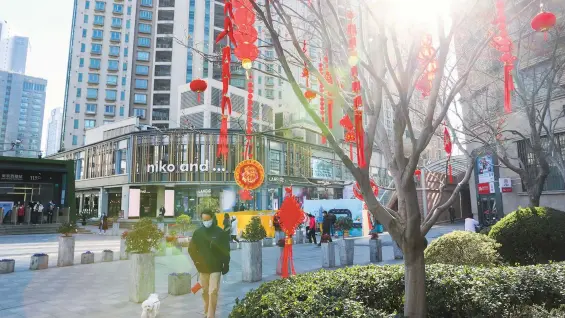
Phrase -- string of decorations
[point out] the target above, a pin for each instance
(427, 60)
(503, 44)
(448, 147)
(329, 94)
(322, 101)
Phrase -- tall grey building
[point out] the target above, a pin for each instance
(54, 131)
(21, 119)
(13, 50)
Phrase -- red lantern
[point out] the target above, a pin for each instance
(310, 95)
(543, 21)
(246, 53)
(198, 85)
(244, 17)
(245, 35)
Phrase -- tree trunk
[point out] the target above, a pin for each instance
(414, 282)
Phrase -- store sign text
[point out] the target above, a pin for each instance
(161, 167)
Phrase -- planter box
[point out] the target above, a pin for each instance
(251, 261)
(375, 251)
(87, 258)
(39, 262)
(179, 284)
(66, 256)
(176, 251)
(397, 251)
(346, 251)
(141, 277)
(233, 246)
(328, 255)
(268, 242)
(123, 254)
(107, 256)
(7, 266)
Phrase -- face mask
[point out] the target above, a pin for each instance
(207, 223)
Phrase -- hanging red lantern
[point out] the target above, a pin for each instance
(503, 44)
(198, 85)
(543, 21)
(448, 147)
(245, 195)
(244, 17)
(310, 95)
(246, 53)
(245, 35)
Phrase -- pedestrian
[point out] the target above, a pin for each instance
(333, 219)
(50, 209)
(162, 211)
(103, 224)
(21, 213)
(210, 251)
(234, 229)
(326, 226)
(312, 229)
(471, 224)
(451, 214)
(227, 223)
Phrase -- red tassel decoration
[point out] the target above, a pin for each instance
(330, 99)
(223, 142)
(287, 266)
(503, 44)
(322, 105)
(508, 87)
(351, 150)
(248, 154)
(360, 138)
(450, 169)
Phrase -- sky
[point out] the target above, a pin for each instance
(47, 23)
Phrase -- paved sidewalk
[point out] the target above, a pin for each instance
(100, 289)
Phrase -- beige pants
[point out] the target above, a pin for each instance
(210, 286)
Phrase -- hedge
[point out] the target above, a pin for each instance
(463, 248)
(531, 236)
(378, 291)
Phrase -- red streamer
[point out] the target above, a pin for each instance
(330, 99)
(450, 169)
(287, 266)
(503, 44)
(223, 148)
(322, 105)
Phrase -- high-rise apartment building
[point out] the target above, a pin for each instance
(54, 131)
(13, 50)
(21, 118)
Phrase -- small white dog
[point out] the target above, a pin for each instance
(150, 307)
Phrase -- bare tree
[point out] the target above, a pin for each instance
(389, 72)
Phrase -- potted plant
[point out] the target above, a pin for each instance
(344, 224)
(83, 217)
(183, 222)
(328, 251)
(252, 256)
(66, 256)
(7, 266)
(87, 258)
(123, 254)
(140, 241)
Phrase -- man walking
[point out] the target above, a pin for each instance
(451, 214)
(210, 252)
(326, 226)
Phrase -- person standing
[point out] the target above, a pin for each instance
(162, 211)
(312, 229)
(234, 229)
(451, 214)
(227, 223)
(21, 213)
(210, 252)
(471, 224)
(333, 219)
(326, 226)
(103, 224)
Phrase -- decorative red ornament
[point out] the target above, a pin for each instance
(305, 71)
(246, 53)
(447, 146)
(245, 35)
(198, 85)
(322, 101)
(503, 44)
(330, 99)
(426, 56)
(357, 190)
(249, 174)
(245, 195)
(244, 19)
(349, 136)
(543, 21)
(290, 216)
(310, 95)
(356, 89)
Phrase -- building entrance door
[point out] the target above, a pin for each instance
(488, 211)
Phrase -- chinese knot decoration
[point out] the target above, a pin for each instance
(503, 44)
(447, 146)
(356, 89)
(290, 216)
(322, 101)
(349, 137)
(543, 21)
(357, 190)
(426, 56)
(198, 86)
(329, 79)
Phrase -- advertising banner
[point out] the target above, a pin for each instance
(485, 169)
(483, 188)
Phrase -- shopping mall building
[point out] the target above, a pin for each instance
(137, 172)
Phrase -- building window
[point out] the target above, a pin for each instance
(145, 15)
(115, 36)
(77, 108)
(142, 70)
(75, 140)
(161, 99)
(94, 64)
(92, 93)
(160, 114)
(111, 94)
(93, 78)
(82, 47)
(122, 95)
(79, 92)
(141, 84)
(126, 52)
(123, 80)
(98, 20)
(118, 8)
(80, 77)
(165, 43)
(113, 65)
(96, 48)
(167, 15)
(163, 56)
(107, 122)
(139, 112)
(81, 62)
(114, 51)
(87, 5)
(127, 38)
(147, 3)
(162, 70)
(75, 124)
(89, 123)
(116, 22)
(142, 56)
(100, 6)
(125, 66)
(129, 10)
(144, 42)
(112, 80)
(90, 108)
(109, 109)
(84, 33)
(97, 34)
(144, 28)
(162, 85)
(122, 111)
(165, 28)
(140, 98)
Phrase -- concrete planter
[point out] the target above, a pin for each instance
(268, 242)
(233, 246)
(66, 256)
(39, 261)
(115, 229)
(185, 250)
(251, 261)
(107, 256)
(346, 251)
(7, 266)
(123, 254)
(179, 284)
(176, 250)
(375, 251)
(141, 277)
(298, 237)
(328, 255)
(397, 251)
(87, 258)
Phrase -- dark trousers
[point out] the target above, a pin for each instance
(312, 236)
(324, 233)
(49, 217)
(234, 238)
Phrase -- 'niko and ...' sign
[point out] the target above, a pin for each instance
(161, 167)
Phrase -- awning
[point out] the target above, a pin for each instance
(459, 165)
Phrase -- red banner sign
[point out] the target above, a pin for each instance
(483, 188)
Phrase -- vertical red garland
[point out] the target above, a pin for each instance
(322, 105)
(248, 145)
(305, 72)
(447, 146)
(356, 88)
(329, 94)
(503, 44)
(428, 61)
(349, 137)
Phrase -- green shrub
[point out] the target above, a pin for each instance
(144, 237)
(344, 223)
(183, 222)
(531, 236)
(254, 230)
(452, 291)
(463, 248)
(67, 229)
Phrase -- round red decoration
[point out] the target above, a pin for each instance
(310, 95)
(357, 191)
(249, 174)
(244, 17)
(198, 85)
(246, 53)
(245, 35)
(241, 4)
(543, 21)
(349, 136)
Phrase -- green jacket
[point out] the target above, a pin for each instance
(209, 249)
